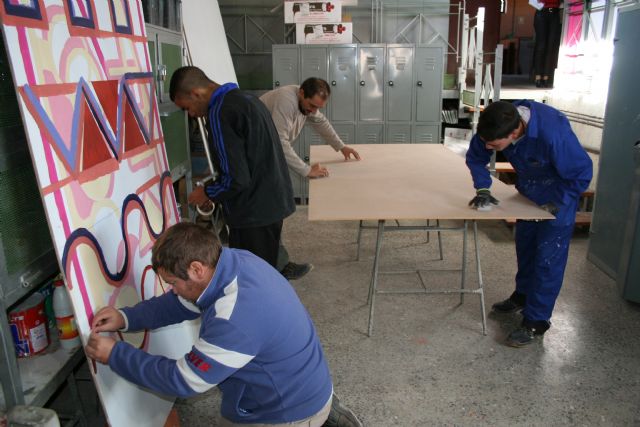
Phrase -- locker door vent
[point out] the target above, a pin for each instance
(372, 61)
(429, 64)
(314, 64)
(343, 63)
(371, 138)
(401, 62)
(425, 138)
(399, 138)
(286, 64)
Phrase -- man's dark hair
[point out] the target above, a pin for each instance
(185, 79)
(314, 86)
(180, 245)
(497, 121)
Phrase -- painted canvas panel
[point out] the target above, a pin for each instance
(83, 76)
(203, 28)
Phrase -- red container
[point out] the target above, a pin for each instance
(28, 324)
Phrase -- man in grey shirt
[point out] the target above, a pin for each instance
(290, 107)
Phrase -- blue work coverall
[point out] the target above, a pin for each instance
(551, 167)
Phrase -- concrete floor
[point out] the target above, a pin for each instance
(428, 363)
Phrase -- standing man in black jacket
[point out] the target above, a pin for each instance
(253, 184)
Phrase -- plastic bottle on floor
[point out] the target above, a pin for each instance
(65, 321)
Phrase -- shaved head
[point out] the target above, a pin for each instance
(186, 79)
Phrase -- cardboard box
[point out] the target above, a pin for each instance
(316, 12)
(324, 33)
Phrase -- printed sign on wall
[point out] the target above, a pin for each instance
(324, 33)
(315, 12)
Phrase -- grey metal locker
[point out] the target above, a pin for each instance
(342, 78)
(428, 83)
(370, 133)
(285, 65)
(399, 87)
(398, 134)
(298, 181)
(310, 138)
(615, 226)
(426, 134)
(313, 62)
(371, 83)
(346, 132)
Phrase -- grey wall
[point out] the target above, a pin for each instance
(253, 26)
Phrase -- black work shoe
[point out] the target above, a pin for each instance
(341, 416)
(512, 304)
(526, 333)
(293, 271)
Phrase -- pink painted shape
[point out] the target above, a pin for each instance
(81, 202)
(69, 52)
(82, 286)
(140, 164)
(26, 55)
(81, 6)
(60, 110)
(98, 51)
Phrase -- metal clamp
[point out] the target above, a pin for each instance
(213, 205)
(162, 72)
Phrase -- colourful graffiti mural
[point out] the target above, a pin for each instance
(83, 76)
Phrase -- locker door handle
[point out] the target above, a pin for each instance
(361, 82)
(420, 83)
(333, 82)
(390, 82)
(277, 83)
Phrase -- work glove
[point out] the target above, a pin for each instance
(483, 199)
(550, 207)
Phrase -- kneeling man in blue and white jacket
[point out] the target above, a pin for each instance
(257, 342)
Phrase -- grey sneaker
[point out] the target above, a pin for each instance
(341, 416)
(293, 271)
(527, 333)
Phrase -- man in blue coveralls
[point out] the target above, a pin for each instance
(552, 170)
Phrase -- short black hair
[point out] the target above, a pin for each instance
(185, 79)
(315, 86)
(498, 120)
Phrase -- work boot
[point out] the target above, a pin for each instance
(341, 416)
(527, 333)
(293, 271)
(513, 304)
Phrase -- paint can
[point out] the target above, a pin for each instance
(28, 324)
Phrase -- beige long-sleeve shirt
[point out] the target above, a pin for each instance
(289, 121)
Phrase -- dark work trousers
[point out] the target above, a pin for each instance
(261, 241)
(547, 23)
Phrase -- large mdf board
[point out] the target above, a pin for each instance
(85, 88)
(207, 40)
(405, 181)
